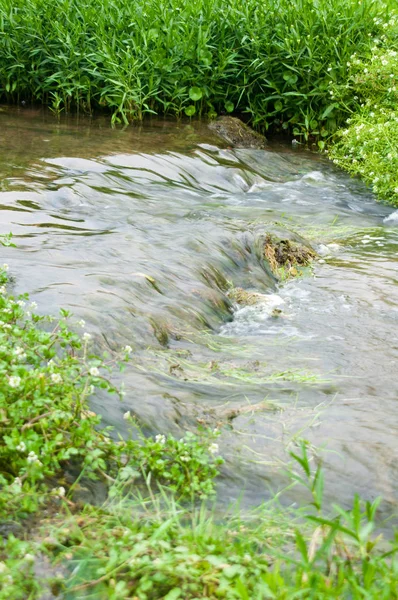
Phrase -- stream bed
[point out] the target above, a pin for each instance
(141, 231)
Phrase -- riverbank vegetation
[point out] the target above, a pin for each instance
(156, 533)
(368, 145)
(299, 66)
(281, 62)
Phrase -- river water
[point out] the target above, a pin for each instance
(140, 232)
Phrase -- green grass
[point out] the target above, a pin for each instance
(280, 62)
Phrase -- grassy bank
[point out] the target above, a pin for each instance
(155, 534)
(282, 63)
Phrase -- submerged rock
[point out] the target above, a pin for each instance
(245, 298)
(237, 133)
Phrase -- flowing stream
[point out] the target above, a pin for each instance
(140, 232)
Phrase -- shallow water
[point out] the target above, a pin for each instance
(139, 231)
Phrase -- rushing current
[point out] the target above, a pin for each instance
(141, 231)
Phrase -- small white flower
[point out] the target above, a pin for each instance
(21, 303)
(128, 349)
(33, 305)
(21, 447)
(32, 457)
(127, 415)
(18, 351)
(5, 267)
(94, 372)
(14, 381)
(56, 378)
(160, 439)
(29, 557)
(185, 458)
(213, 448)
(82, 322)
(3, 289)
(86, 336)
(59, 491)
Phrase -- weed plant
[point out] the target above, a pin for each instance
(283, 63)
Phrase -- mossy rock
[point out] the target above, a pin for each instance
(237, 133)
(246, 298)
(286, 256)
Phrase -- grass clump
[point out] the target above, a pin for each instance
(368, 146)
(282, 62)
(155, 548)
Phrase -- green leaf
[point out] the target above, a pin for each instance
(173, 594)
(329, 109)
(190, 110)
(278, 106)
(290, 77)
(195, 93)
(229, 106)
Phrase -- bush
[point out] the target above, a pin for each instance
(368, 146)
(279, 61)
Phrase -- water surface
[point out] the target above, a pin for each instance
(140, 232)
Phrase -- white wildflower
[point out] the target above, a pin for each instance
(33, 305)
(14, 381)
(5, 267)
(3, 289)
(127, 415)
(213, 448)
(59, 491)
(32, 458)
(185, 458)
(86, 336)
(18, 351)
(21, 447)
(21, 303)
(94, 372)
(128, 349)
(160, 439)
(29, 557)
(82, 322)
(56, 378)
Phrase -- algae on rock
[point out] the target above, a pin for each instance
(237, 133)
(284, 256)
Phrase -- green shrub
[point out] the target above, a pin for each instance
(282, 62)
(368, 146)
